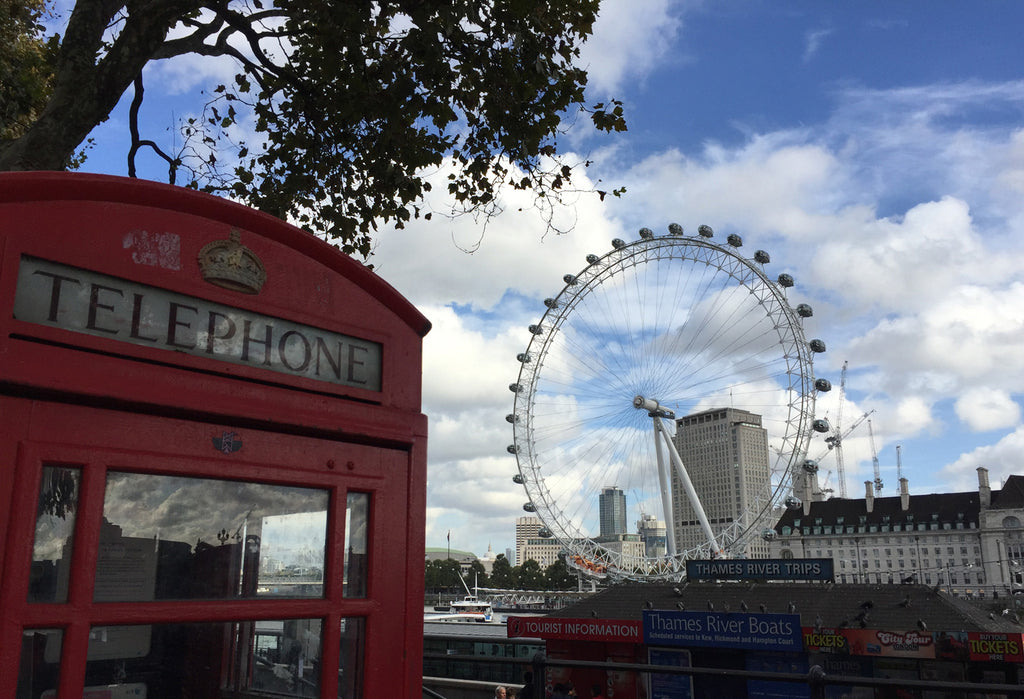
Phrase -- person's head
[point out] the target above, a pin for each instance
(499, 693)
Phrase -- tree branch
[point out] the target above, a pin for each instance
(137, 143)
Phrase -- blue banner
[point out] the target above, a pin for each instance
(743, 630)
(761, 569)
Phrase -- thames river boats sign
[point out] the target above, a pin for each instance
(742, 630)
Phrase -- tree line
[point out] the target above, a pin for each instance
(442, 576)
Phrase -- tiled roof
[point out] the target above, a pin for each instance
(1011, 495)
(890, 607)
(942, 508)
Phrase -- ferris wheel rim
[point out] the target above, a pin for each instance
(796, 353)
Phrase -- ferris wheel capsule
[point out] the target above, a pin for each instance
(646, 233)
(786, 280)
(675, 229)
(518, 479)
(618, 243)
(734, 240)
(705, 231)
(536, 329)
(762, 257)
(592, 259)
(804, 311)
(821, 425)
(793, 503)
(823, 385)
(816, 346)
(529, 507)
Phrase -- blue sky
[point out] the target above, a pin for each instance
(876, 149)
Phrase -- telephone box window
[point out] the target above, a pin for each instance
(39, 669)
(357, 518)
(350, 660)
(55, 527)
(277, 657)
(169, 537)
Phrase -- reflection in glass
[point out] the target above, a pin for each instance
(357, 518)
(55, 527)
(279, 657)
(350, 660)
(169, 537)
(39, 667)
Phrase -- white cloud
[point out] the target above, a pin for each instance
(812, 42)
(629, 41)
(1002, 459)
(985, 409)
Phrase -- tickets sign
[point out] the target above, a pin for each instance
(1006, 647)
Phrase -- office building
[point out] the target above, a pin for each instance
(652, 533)
(612, 502)
(725, 452)
(527, 528)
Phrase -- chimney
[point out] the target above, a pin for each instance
(869, 496)
(984, 491)
(904, 495)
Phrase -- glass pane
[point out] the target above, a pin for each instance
(170, 661)
(39, 668)
(357, 519)
(350, 660)
(167, 537)
(55, 528)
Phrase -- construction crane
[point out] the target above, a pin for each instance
(874, 460)
(835, 440)
(833, 443)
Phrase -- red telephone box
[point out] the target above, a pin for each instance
(212, 460)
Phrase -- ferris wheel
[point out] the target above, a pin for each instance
(653, 335)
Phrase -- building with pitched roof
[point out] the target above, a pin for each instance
(970, 542)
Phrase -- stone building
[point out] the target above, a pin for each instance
(970, 542)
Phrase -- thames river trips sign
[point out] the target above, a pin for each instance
(742, 630)
(761, 569)
(96, 304)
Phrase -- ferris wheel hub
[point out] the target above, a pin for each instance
(652, 407)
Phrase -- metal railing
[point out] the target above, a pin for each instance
(815, 678)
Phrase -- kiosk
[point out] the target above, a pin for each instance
(212, 460)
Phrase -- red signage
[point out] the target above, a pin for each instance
(825, 641)
(1007, 647)
(892, 644)
(574, 629)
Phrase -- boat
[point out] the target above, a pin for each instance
(469, 608)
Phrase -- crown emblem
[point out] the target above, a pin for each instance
(231, 265)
